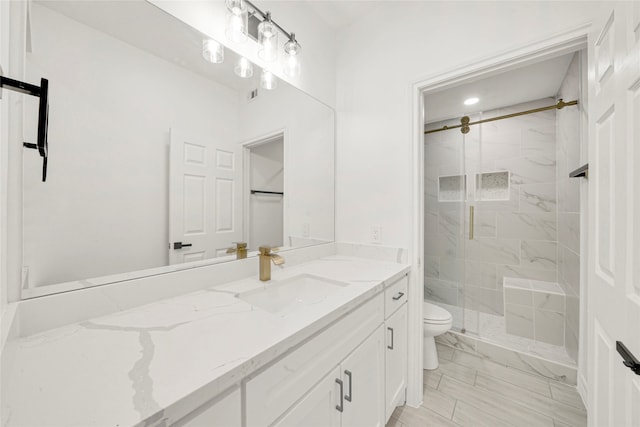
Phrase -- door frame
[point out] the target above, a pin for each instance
(246, 179)
(572, 40)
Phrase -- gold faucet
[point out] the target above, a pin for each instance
(266, 256)
(240, 250)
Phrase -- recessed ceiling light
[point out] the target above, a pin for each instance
(471, 101)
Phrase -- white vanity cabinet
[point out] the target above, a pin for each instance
(354, 343)
(363, 383)
(350, 395)
(351, 373)
(317, 408)
(395, 345)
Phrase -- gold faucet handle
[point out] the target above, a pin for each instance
(264, 250)
(277, 259)
(239, 246)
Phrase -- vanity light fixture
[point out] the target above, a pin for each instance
(292, 53)
(268, 39)
(471, 101)
(237, 30)
(243, 68)
(237, 17)
(268, 81)
(212, 51)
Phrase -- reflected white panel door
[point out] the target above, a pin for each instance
(205, 199)
(614, 213)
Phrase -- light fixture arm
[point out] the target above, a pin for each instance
(267, 16)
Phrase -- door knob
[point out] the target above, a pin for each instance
(180, 245)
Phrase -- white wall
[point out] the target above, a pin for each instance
(104, 207)
(379, 58)
(315, 37)
(309, 134)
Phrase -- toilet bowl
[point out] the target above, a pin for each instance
(436, 321)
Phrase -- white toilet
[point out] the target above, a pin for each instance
(436, 321)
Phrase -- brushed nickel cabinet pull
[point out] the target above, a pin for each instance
(348, 398)
(340, 407)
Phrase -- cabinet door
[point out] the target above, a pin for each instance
(396, 359)
(363, 377)
(224, 411)
(318, 407)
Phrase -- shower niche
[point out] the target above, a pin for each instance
(489, 186)
(452, 188)
(492, 186)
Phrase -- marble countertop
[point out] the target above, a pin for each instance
(162, 360)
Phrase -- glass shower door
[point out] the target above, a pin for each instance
(446, 196)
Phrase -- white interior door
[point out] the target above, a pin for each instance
(205, 199)
(614, 211)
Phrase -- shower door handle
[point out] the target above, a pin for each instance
(471, 221)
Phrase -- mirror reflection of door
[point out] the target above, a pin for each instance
(266, 199)
(205, 200)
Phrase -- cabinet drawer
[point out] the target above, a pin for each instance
(395, 295)
(271, 392)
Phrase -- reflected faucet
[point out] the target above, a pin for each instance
(240, 250)
(266, 256)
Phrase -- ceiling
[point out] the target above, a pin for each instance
(162, 35)
(529, 83)
(340, 13)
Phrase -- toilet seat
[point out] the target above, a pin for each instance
(433, 314)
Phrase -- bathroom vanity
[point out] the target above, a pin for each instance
(324, 341)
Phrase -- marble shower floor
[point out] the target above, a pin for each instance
(470, 391)
(491, 329)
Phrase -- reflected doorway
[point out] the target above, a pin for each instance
(266, 192)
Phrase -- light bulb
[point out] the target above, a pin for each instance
(471, 101)
(237, 16)
(268, 81)
(243, 68)
(212, 51)
(292, 57)
(268, 40)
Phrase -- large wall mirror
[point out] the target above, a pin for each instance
(159, 159)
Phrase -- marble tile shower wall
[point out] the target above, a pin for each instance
(568, 157)
(516, 236)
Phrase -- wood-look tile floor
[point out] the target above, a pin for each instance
(469, 391)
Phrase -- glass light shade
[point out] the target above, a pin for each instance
(243, 68)
(292, 50)
(237, 17)
(268, 81)
(212, 51)
(236, 6)
(268, 40)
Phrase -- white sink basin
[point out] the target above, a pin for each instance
(288, 295)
